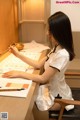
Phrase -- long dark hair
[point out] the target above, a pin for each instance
(60, 28)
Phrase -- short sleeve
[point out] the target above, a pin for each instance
(59, 61)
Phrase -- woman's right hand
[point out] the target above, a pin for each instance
(14, 50)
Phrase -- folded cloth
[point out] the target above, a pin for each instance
(69, 107)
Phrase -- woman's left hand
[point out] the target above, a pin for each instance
(12, 74)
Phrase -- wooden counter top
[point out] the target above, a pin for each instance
(19, 108)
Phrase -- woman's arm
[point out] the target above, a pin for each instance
(35, 64)
(44, 78)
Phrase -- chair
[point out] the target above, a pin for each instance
(75, 113)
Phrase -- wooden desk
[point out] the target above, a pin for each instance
(19, 108)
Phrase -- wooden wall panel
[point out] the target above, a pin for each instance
(34, 15)
(8, 24)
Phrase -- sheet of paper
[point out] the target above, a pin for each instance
(14, 63)
(15, 83)
(34, 47)
(31, 50)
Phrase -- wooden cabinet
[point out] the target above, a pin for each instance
(36, 10)
(34, 19)
(8, 24)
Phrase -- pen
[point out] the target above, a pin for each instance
(11, 89)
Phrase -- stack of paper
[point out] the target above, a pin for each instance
(32, 50)
(17, 83)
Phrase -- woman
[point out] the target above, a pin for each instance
(52, 81)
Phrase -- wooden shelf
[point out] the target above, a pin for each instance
(34, 21)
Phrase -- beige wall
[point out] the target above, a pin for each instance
(33, 31)
(76, 38)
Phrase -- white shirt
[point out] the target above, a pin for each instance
(57, 84)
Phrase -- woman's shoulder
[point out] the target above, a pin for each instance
(63, 52)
